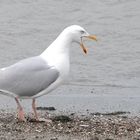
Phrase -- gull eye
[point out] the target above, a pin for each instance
(82, 32)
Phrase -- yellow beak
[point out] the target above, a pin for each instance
(93, 37)
(83, 48)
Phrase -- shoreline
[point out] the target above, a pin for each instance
(96, 126)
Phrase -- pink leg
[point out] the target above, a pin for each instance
(36, 115)
(34, 109)
(20, 111)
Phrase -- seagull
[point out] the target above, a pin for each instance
(39, 75)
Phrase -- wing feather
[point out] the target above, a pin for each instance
(28, 77)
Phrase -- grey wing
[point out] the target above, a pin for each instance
(28, 77)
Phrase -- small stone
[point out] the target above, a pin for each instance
(108, 139)
(84, 125)
(138, 130)
(54, 138)
(94, 138)
(38, 131)
(36, 137)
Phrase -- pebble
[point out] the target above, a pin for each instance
(54, 138)
(84, 125)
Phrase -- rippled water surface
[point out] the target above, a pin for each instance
(107, 79)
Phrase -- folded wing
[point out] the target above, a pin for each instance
(28, 77)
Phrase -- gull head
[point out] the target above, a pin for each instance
(76, 34)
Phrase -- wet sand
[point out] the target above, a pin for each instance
(113, 126)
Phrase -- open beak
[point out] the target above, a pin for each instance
(83, 47)
(93, 37)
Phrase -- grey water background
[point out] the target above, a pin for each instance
(105, 80)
